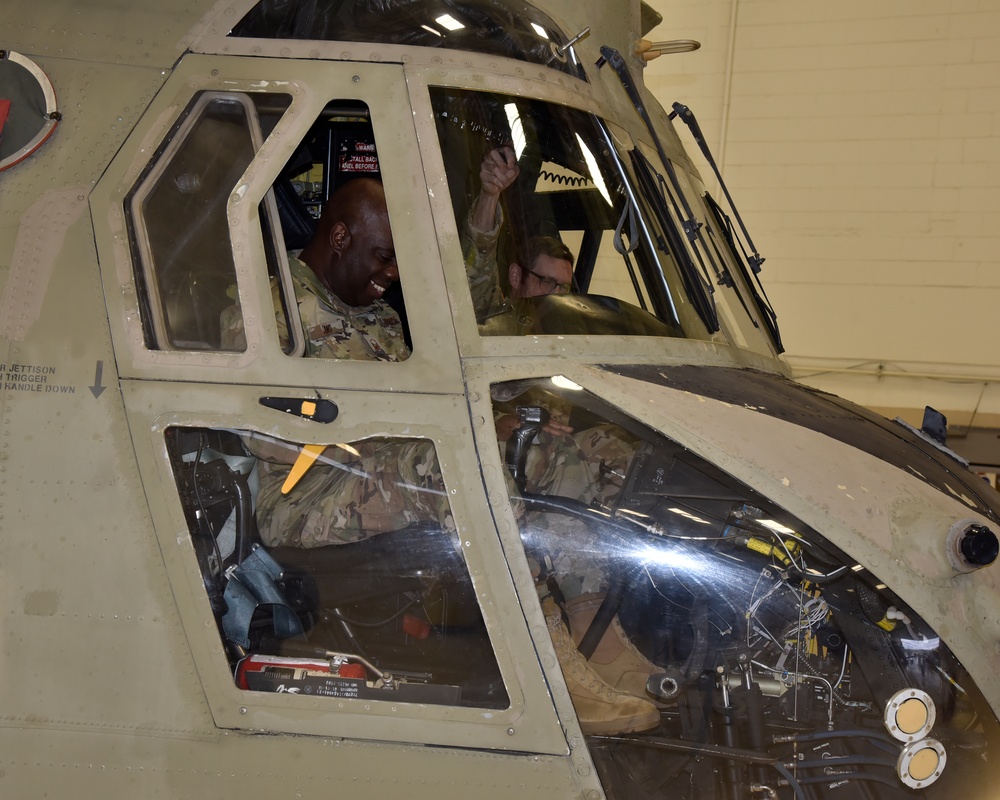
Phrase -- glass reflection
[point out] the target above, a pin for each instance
(713, 644)
(503, 28)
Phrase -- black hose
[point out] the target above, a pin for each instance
(754, 703)
(602, 619)
(799, 794)
(693, 748)
(244, 517)
(836, 761)
(850, 776)
(874, 737)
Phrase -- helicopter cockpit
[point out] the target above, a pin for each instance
(709, 638)
(653, 254)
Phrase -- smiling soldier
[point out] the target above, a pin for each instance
(341, 275)
(339, 279)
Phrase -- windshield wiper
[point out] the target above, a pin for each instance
(698, 289)
(752, 258)
(767, 313)
(657, 192)
(755, 260)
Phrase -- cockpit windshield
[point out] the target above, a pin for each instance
(570, 224)
(558, 234)
(504, 28)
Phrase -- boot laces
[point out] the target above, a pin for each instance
(573, 661)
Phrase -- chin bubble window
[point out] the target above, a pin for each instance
(715, 645)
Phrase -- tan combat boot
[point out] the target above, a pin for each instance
(600, 708)
(616, 659)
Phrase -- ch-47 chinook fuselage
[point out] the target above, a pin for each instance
(811, 587)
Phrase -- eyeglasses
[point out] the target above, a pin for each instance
(549, 285)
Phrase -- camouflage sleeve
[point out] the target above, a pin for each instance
(231, 325)
(389, 485)
(588, 465)
(481, 267)
(279, 315)
(231, 322)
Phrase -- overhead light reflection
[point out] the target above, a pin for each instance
(565, 383)
(449, 22)
(775, 526)
(516, 128)
(921, 644)
(670, 557)
(595, 172)
(429, 29)
(540, 30)
(688, 515)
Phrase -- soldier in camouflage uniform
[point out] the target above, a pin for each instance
(571, 563)
(377, 485)
(545, 264)
(339, 280)
(337, 330)
(588, 466)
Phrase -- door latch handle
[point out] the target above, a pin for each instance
(315, 409)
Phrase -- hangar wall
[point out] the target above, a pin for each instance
(862, 143)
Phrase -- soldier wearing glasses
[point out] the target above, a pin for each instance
(544, 266)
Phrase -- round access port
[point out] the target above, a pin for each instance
(921, 763)
(909, 715)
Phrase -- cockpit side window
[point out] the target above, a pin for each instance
(554, 232)
(325, 229)
(178, 224)
(335, 571)
(340, 249)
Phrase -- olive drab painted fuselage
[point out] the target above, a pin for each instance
(256, 542)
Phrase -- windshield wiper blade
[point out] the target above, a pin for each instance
(755, 260)
(614, 58)
(700, 290)
(760, 298)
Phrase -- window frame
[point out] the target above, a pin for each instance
(528, 724)
(608, 349)
(148, 280)
(311, 85)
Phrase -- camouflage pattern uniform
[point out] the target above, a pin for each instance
(480, 248)
(343, 497)
(332, 328)
(386, 485)
(588, 466)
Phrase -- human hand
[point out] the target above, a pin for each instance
(498, 170)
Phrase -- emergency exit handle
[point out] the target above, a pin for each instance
(315, 409)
